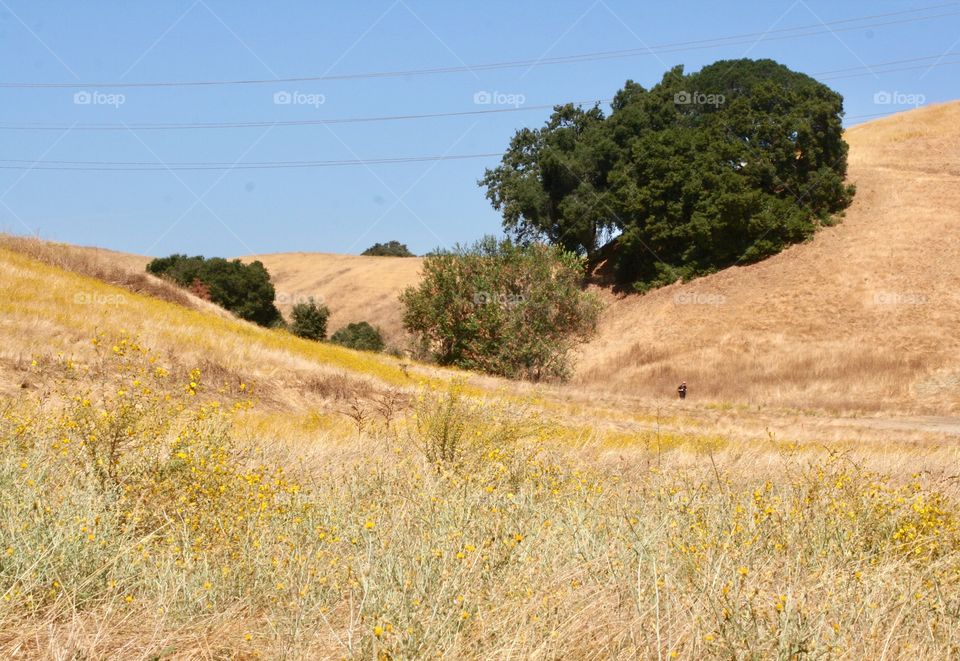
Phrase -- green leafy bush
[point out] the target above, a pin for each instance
(360, 336)
(501, 308)
(244, 289)
(310, 320)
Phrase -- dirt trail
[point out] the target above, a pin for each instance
(792, 427)
(637, 415)
(929, 423)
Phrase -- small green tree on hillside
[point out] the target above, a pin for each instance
(388, 249)
(309, 320)
(361, 336)
(502, 308)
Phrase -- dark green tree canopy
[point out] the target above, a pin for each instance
(388, 249)
(244, 289)
(361, 336)
(726, 165)
(551, 179)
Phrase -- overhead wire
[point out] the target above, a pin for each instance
(820, 28)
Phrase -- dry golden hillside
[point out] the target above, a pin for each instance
(184, 484)
(861, 318)
(865, 316)
(356, 288)
(109, 266)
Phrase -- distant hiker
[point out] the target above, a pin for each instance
(682, 390)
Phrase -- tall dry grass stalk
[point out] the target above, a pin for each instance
(139, 518)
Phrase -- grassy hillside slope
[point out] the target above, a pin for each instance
(356, 288)
(861, 318)
(47, 309)
(864, 316)
(148, 512)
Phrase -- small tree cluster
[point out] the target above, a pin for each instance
(244, 289)
(501, 308)
(388, 249)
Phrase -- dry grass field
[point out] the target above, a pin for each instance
(176, 483)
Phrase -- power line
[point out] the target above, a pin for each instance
(138, 166)
(890, 63)
(675, 47)
(143, 166)
(267, 123)
(834, 74)
(875, 114)
(935, 65)
(147, 166)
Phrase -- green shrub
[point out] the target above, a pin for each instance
(455, 432)
(310, 320)
(501, 308)
(360, 336)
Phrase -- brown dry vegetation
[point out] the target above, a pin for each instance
(149, 512)
(116, 268)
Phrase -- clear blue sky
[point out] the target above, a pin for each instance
(345, 209)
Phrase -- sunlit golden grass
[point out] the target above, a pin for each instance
(146, 512)
(119, 269)
(43, 301)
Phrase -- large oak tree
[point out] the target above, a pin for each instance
(705, 170)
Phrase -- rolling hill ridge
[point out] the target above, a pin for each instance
(863, 317)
